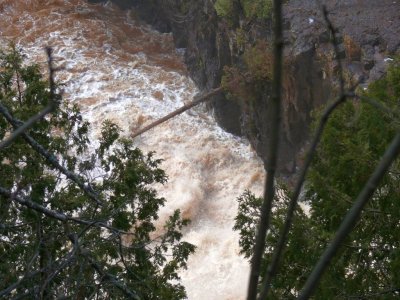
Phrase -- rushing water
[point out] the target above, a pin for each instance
(118, 68)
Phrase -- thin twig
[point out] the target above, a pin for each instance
(272, 268)
(351, 218)
(269, 189)
(49, 52)
(278, 251)
(354, 213)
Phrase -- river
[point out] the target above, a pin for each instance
(116, 67)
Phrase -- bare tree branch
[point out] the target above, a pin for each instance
(335, 43)
(272, 268)
(278, 251)
(269, 189)
(49, 52)
(351, 218)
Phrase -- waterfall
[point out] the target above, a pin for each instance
(115, 67)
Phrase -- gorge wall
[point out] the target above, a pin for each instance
(367, 44)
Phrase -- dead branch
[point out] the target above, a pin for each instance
(269, 189)
(278, 251)
(201, 99)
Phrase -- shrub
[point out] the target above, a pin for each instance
(259, 9)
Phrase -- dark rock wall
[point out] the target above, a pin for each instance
(369, 33)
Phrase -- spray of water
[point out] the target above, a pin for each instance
(117, 68)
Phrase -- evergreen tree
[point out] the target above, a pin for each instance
(74, 222)
(366, 266)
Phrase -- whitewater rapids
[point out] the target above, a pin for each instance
(115, 67)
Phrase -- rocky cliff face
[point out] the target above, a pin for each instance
(368, 31)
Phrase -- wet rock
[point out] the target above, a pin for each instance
(368, 32)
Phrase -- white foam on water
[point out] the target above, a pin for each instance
(116, 68)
